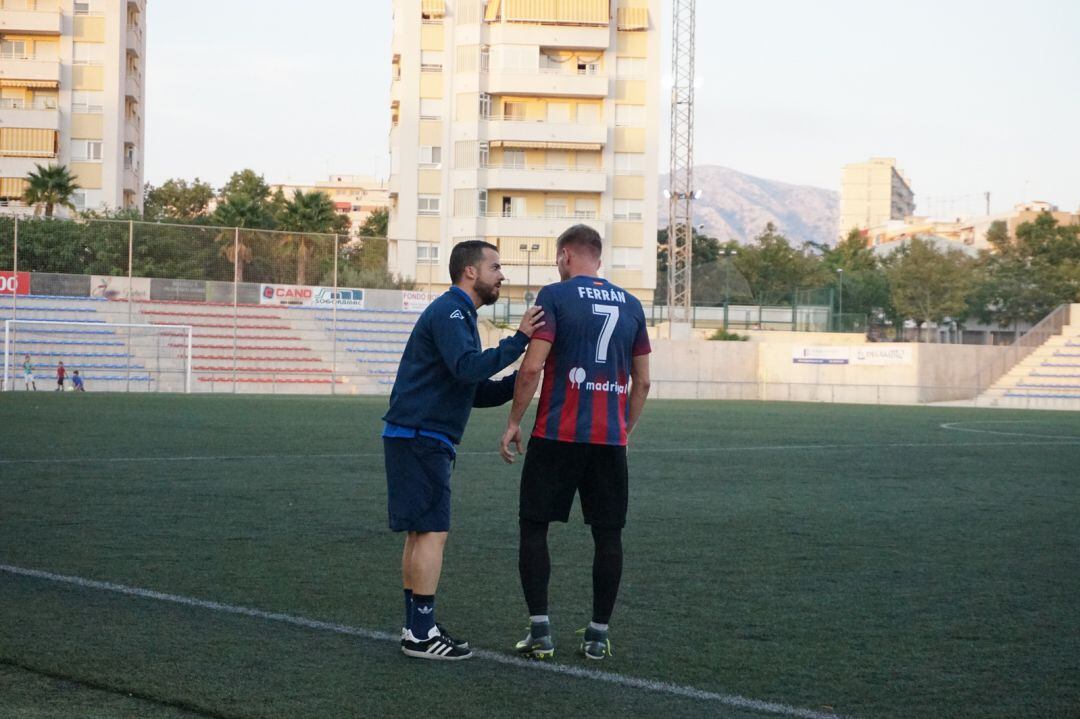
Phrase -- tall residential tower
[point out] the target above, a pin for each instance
(514, 119)
(72, 93)
(872, 193)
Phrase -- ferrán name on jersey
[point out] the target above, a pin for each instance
(607, 295)
(596, 329)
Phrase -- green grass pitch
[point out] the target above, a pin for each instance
(852, 559)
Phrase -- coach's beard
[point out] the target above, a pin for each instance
(488, 294)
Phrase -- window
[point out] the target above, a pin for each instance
(79, 200)
(430, 155)
(13, 49)
(554, 208)
(431, 60)
(82, 8)
(626, 257)
(485, 105)
(430, 108)
(587, 161)
(427, 253)
(427, 204)
(513, 206)
(558, 112)
(629, 163)
(88, 101)
(630, 67)
(485, 154)
(482, 202)
(558, 159)
(514, 159)
(89, 53)
(464, 203)
(588, 114)
(629, 210)
(86, 150)
(630, 116)
(514, 110)
(585, 209)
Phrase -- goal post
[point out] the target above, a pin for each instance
(110, 356)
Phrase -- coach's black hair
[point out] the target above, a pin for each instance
(467, 254)
(581, 236)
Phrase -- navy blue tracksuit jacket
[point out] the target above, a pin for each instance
(443, 373)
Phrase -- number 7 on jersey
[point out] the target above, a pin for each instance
(610, 313)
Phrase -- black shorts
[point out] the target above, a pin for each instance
(555, 471)
(418, 484)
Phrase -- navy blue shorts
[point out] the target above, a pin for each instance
(418, 484)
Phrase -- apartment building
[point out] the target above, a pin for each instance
(72, 93)
(968, 233)
(514, 119)
(872, 193)
(356, 196)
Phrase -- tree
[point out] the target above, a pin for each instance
(178, 201)
(304, 215)
(705, 287)
(245, 202)
(50, 186)
(865, 283)
(1023, 281)
(774, 269)
(377, 224)
(928, 285)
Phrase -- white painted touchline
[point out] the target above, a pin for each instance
(677, 690)
(1061, 441)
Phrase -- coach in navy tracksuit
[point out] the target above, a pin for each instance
(443, 374)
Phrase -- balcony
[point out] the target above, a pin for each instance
(22, 166)
(133, 87)
(511, 129)
(31, 22)
(544, 178)
(29, 68)
(583, 37)
(135, 39)
(499, 225)
(131, 132)
(131, 178)
(546, 82)
(13, 113)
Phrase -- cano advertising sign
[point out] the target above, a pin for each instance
(310, 296)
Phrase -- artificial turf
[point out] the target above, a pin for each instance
(857, 559)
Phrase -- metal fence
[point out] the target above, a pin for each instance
(135, 269)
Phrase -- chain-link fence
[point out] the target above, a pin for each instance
(270, 310)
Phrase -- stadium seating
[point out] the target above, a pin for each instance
(250, 348)
(1049, 378)
(100, 354)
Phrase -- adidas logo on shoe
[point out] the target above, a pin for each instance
(437, 647)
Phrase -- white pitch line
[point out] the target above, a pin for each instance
(1060, 441)
(686, 692)
(954, 426)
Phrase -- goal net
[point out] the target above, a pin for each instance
(109, 357)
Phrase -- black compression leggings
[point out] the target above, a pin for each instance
(534, 568)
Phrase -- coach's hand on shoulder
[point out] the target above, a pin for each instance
(512, 435)
(532, 320)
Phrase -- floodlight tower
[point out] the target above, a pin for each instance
(681, 192)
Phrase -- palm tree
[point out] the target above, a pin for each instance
(307, 213)
(50, 186)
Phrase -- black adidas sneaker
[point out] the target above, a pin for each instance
(439, 647)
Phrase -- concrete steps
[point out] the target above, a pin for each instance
(1048, 378)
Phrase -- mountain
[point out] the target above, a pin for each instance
(737, 206)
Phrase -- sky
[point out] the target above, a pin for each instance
(970, 97)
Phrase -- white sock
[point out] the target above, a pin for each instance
(539, 619)
(598, 627)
